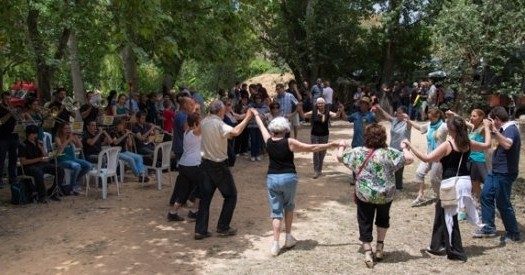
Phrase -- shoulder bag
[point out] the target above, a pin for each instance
(447, 192)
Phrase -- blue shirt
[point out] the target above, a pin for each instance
(286, 103)
(360, 120)
(507, 161)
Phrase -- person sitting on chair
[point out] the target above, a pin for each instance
(124, 138)
(66, 141)
(142, 131)
(93, 141)
(36, 164)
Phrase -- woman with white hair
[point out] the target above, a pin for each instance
(320, 120)
(281, 179)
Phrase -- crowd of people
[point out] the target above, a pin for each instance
(248, 121)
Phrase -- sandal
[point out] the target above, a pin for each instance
(379, 250)
(369, 258)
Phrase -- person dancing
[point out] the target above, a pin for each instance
(453, 155)
(374, 165)
(281, 179)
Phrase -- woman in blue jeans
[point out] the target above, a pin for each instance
(66, 141)
(281, 180)
(124, 138)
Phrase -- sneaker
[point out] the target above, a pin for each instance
(258, 158)
(418, 201)
(252, 158)
(174, 217)
(227, 232)
(290, 242)
(480, 233)
(275, 250)
(462, 216)
(510, 239)
(192, 215)
(198, 236)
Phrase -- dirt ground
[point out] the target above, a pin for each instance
(129, 234)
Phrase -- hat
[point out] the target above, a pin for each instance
(31, 129)
(365, 100)
(320, 100)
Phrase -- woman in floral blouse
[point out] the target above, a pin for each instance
(375, 165)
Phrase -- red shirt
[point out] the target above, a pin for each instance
(168, 115)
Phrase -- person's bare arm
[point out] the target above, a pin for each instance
(237, 130)
(297, 146)
(478, 146)
(85, 114)
(442, 150)
(386, 115)
(266, 135)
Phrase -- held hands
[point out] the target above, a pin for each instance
(406, 117)
(406, 144)
(489, 124)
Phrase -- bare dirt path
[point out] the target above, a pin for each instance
(129, 234)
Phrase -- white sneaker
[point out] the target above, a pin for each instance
(290, 242)
(252, 159)
(275, 250)
(258, 158)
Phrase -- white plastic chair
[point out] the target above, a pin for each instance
(106, 167)
(165, 148)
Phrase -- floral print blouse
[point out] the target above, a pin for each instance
(376, 182)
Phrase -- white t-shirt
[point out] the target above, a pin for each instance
(192, 150)
(328, 95)
(215, 134)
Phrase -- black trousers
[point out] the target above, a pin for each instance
(38, 170)
(440, 238)
(365, 218)
(187, 182)
(9, 145)
(399, 178)
(217, 175)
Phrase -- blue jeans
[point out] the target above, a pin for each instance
(281, 193)
(256, 141)
(80, 168)
(135, 161)
(497, 189)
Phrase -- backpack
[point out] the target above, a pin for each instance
(22, 192)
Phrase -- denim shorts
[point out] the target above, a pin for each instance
(281, 193)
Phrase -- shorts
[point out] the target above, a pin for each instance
(295, 120)
(281, 193)
(478, 171)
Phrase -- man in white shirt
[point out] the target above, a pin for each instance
(216, 171)
(328, 95)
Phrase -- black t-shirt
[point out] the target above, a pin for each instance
(142, 130)
(122, 144)
(320, 122)
(91, 149)
(29, 150)
(7, 128)
(281, 158)
(92, 114)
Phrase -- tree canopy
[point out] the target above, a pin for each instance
(159, 45)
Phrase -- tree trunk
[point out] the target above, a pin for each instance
(129, 60)
(390, 43)
(76, 73)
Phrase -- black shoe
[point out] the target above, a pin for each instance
(192, 215)
(440, 252)
(202, 236)
(145, 178)
(54, 198)
(75, 193)
(227, 232)
(174, 217)
(42, 200)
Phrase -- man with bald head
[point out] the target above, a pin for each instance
(217, 175)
